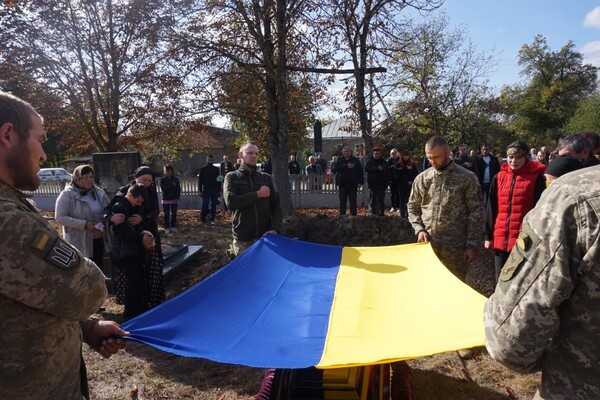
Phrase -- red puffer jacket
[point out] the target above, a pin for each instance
(516, 197)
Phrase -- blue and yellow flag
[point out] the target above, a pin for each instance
(285, 303)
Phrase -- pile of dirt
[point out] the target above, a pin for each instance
(326, 226)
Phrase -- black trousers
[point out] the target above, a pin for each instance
(377, 200)
(347, 193)
(135, 292)
(404, 196)
(395, 192)
(98, 253)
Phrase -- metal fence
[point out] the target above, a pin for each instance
(305, 192)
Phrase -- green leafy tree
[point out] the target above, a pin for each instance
(438, 79)
(587, 116)
(559, 80)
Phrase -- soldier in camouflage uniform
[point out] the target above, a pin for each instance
(545, 313)
(445, 208)
(46, 286)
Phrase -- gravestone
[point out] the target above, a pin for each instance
(113, 170)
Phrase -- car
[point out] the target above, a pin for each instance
(54, 174)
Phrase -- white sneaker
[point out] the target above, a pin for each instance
(173, 229)
(392, 209)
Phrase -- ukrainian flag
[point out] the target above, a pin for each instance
(285, 303)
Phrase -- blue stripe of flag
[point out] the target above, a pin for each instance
(268, 308)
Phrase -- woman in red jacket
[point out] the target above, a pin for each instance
(514, 191)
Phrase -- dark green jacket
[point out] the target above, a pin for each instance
(252, 217)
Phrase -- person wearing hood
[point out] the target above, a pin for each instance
(79, 210)
(514, 191)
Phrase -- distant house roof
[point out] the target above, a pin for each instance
(338, 129)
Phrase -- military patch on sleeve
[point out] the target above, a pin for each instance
(525, 244)
(55, 251)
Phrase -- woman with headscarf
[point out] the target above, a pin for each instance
(153, 265)
(79, 210)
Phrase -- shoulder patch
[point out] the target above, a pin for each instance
(527, 241)
(55, 250)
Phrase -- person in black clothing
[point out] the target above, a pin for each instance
(392, 164)
(407, 172)
(267, 166)
(464, 160)
(377, 178)
(225, 166)
(153, 263)
(209, 188)
(171, 191)
(487, 167)
(349, 175)
(130, 244)
(321, 161)
(293, 166)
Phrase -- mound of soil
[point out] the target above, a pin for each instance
(326, 226)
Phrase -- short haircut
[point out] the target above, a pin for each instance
(575, 142)
(245, 146)
(168, 167)
(517, 148)
(138, 190)
(17, 112)
(436, 141)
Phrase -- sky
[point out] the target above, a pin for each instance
(506, 25)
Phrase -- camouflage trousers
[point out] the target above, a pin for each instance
(452, 258)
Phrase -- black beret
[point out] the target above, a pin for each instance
(562, 165)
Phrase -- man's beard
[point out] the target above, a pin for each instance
(19, 167)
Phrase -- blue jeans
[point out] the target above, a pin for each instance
(170, 215)
(209, 199)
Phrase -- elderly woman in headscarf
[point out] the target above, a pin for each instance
(153, 265)
(79, 210)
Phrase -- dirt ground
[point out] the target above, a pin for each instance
(141, 372)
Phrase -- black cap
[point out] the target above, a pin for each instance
(143, 170)
(562, 165)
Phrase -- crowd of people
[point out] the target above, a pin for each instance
(539, 213)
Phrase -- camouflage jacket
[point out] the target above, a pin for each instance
(447, 205)
(545, 312)
(46, 288)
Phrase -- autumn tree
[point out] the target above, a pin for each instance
(558, 81)
(362, 32)
(438, 79)
(105, 59)
(252, 43)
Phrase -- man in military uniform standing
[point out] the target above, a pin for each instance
(445, 208)
(48, 289)
(544, 313)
